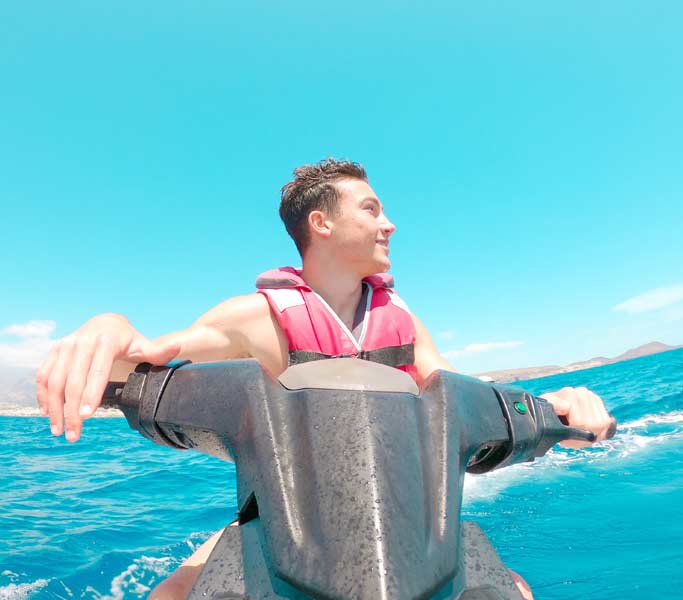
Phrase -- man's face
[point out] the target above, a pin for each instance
(361, 231)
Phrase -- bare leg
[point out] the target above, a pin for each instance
(522, 585)
(178, 584)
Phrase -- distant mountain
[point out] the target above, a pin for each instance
(644, 350)
(507, 375)
(17, 386)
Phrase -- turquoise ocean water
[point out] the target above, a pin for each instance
(110, 516)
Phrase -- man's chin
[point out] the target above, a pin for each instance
(381, 266)
(374, 266)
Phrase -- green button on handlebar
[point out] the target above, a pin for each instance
(520, 407)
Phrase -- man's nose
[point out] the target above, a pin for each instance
(387, 226)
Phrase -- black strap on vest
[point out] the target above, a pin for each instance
(392, 356)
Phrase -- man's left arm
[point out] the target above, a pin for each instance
(579, 406)
(427, 357)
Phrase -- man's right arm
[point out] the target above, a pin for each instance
(72, 379)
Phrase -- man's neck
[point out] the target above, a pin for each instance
(341, 289)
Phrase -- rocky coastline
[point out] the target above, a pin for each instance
(510, 375)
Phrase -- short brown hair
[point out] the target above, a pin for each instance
(313, 189)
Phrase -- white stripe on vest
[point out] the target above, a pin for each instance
(396, 300)
(285, 298)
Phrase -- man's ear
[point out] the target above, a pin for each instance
(319, 224)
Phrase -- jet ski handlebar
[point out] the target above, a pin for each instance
(171, 404)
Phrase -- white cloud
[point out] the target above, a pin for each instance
(31, 329)
(481, 347)
(32, 346)
(652, 300)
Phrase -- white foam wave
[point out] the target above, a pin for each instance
(21, 591)
(137, 579)
(196, 539)
(675, 416)
(632, 437)
(489, 485)
(649, 430)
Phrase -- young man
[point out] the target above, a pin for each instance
(337, 304)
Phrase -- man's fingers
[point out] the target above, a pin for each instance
(98, 375)
(140, 350)
(568, 405)
(583, 409)
(55, 386)
(42, 377)
(561, 405)
(596, 417)
(75, 385)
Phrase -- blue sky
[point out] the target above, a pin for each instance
(529, 153)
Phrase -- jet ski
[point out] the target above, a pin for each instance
(349, 477)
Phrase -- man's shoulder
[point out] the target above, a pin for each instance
(248, 305)
(253, 301)
(239, 310)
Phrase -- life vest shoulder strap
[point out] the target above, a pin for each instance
(290, 277)
(284, 277)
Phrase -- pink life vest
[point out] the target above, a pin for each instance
(314, 331)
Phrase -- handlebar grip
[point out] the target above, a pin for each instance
(113, 394)
(587, 436)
